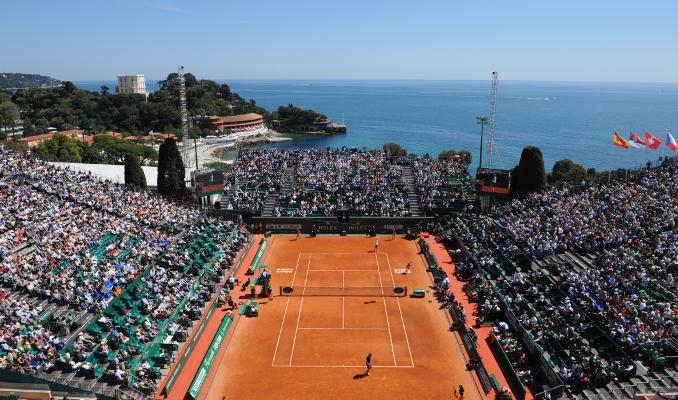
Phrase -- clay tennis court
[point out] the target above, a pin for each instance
(335, 300)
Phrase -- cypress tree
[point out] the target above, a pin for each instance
(171, 170)
(134, 174)
(529, 175)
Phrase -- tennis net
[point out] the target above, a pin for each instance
(365, 291)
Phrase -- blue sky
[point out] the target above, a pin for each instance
(573, 40)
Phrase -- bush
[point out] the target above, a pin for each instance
(394, 150)
(529, 175)
(134, 174)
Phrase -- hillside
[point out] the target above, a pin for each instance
(11, 80)
(67, 107)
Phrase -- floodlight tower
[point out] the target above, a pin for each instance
(186, 151)
(491, 146)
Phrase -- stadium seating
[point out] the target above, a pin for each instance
(99, 288)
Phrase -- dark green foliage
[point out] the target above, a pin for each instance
(464, 154)
(111, 150)
(447, 153)
(67, 107)
(294, 119)
(567, 171)
(529, 175)
(394, 150)
(171, 172)
(134, 174)
(61, 148)
(9, 114)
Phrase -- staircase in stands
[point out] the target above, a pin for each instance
(287, 186)
(411, 186)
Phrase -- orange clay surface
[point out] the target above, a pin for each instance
(314, 347)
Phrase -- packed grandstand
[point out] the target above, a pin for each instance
(95, 277)
(577, 280)
(304, 183)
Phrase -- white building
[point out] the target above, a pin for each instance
(132, 84)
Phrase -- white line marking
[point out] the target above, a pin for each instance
(388, 324)
(388, 259)
(282, 323)
(353, 254)
(341, 270)
(345, 329)
(301, 304)
(343, 299)
(343, 366)
(284, 270)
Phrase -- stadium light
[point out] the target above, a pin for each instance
(482, 121)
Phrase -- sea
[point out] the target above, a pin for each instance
(574, 120)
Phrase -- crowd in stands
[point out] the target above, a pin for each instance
(366, 182)
(440, 182)
(613, 303)
(363, 181)
(596, 216)
(73, 240)
(255, 175)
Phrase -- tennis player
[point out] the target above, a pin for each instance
(298, 235)
(368, 364)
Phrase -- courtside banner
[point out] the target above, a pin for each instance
(260, 253)
(207, 362)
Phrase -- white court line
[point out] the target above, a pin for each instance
(388, 324)
(342, 329)
(296, 330)
(282, 323)
(353, 254)
(342, 366)
(343, 299)
(388, 259)
(341, 270)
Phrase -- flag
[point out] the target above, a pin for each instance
(619, 141)
(635, 141)
(652, 141)
(671, 142)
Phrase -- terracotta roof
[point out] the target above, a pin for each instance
(35, 138)
(237, 118)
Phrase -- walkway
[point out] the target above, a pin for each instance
(445, 262)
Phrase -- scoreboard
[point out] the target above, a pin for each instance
(496, 181)
(208, 182)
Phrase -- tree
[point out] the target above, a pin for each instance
(394, 150)
(171, 171)
(104, 89)
(447, 153)
(41, 125)
(9, 114)
(529, 175)
(61, 148)
(566, 171)
(466, 155)
(134, 174)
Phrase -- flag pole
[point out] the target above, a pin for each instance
(628, 151)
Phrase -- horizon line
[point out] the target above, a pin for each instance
(385, 80)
